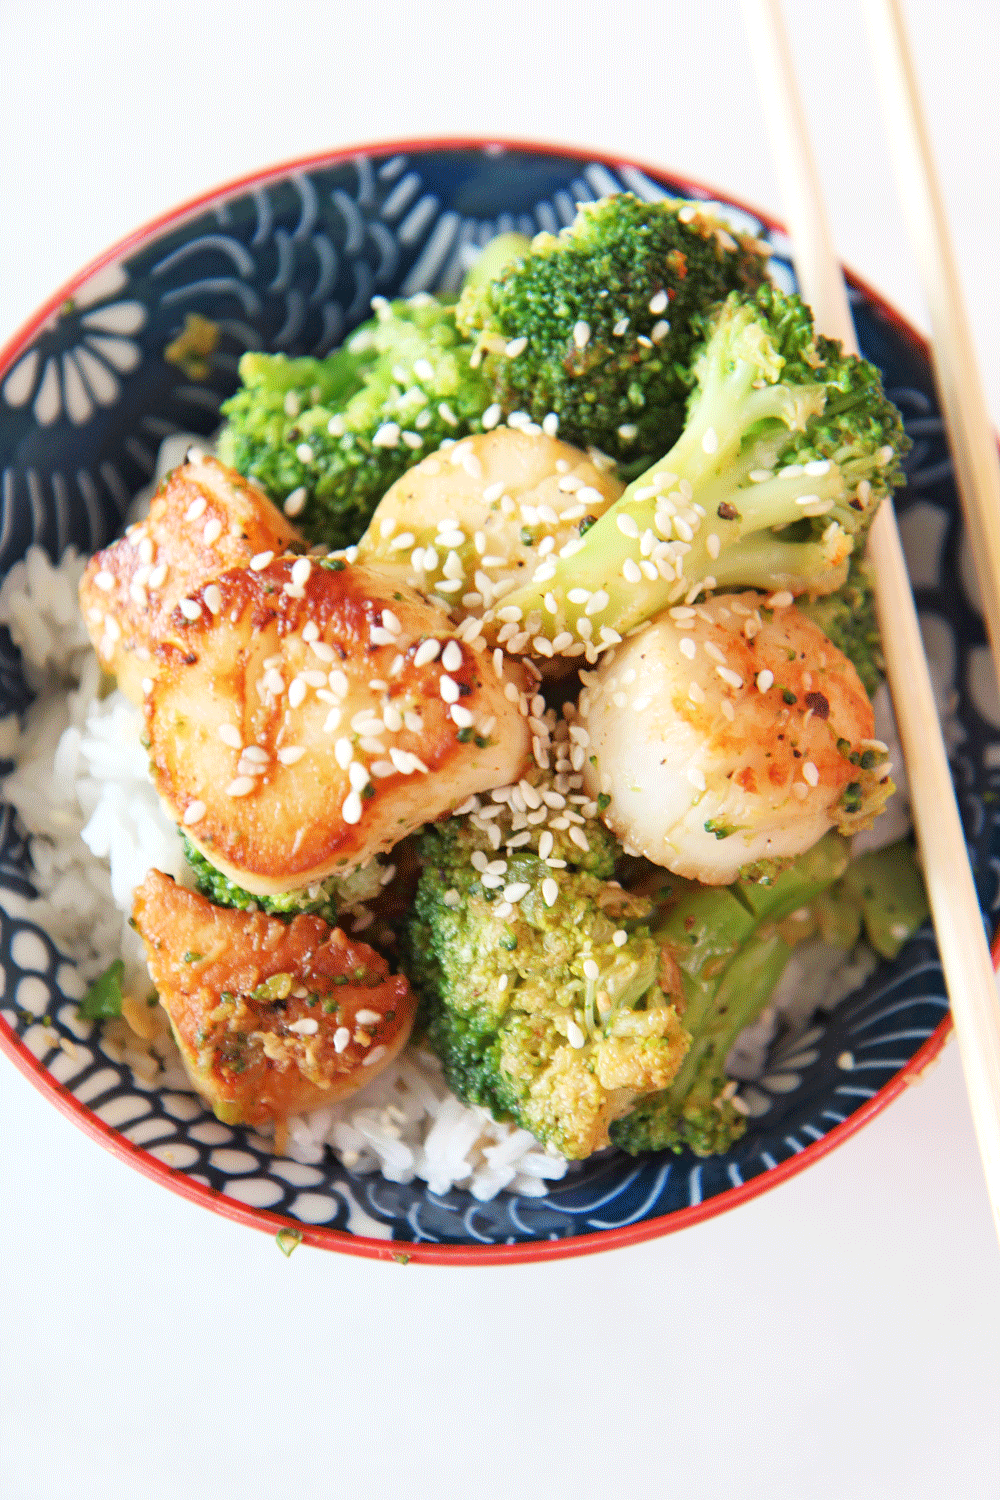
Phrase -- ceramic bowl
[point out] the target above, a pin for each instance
(289, 260)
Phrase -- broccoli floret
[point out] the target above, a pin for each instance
(729, 950)
(597, 323)
(328, 899)
(540, 983)
(847, 617)
(326, 438)
(789, 447)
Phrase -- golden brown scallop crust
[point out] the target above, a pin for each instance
(272, 1018)
(130, 589)
(309, 724)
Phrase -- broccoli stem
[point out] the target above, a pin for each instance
(787, 450)
(731, 955)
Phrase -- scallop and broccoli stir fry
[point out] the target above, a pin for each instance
(529, 633)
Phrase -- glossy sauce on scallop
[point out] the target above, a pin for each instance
(314, 713)
(722, 735)
(273, 1018)
(203, 520)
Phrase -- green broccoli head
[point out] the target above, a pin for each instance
(789, 447)
(597, 324)
(847, 617)
(326, 438)
(540, 982)
(329, 899)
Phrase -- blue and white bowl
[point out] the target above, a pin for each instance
(289, 260)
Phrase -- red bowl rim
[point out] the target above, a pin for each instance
(334, 1239)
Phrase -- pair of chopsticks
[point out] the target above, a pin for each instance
(961, 939)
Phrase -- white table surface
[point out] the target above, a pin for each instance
(836, 1337)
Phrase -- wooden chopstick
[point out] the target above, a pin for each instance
(973, 446)
(951, 891)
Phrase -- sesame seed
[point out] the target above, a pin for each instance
(591, 969)
(491, 416)
(193, 813)
(597, 602)
(387, 436)
(781, 600)
(308, 1026)
(550, 424)
(190, 609)
(659, 331)
(240, 787)
(574, 1035)
(289, 754)
(696, 692)
(581, 335)
(560, 642)
(146, 551)
(620, 328)
(449, 689)
(812, 505)
(516, 347)
(627, 526)
(274, 682)
(709, 441)
(688, 647)
(640, 705)
(158, 576)
(658, 302)
(733, 679)
(550, 890)
(295, 503)
(230, 735)
(426, 652)
(212, 532)
(696, 777)
(196, 509)
(357, 775)
(351, 810)
(810, 773)
(619, 938)
(451, 657)
(260, 561)
(213, 598)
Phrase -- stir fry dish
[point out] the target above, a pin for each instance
(533, 626)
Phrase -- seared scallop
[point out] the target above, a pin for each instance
(308, 714)
(271, 1017)
(203, 520)
(730, 734)
(474, 521)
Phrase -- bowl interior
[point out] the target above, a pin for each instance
(290, 261)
